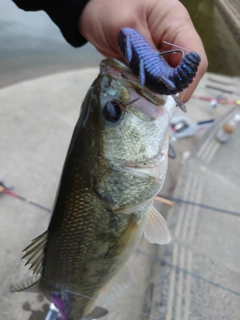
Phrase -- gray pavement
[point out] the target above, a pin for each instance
(197, 276)
(201, 276)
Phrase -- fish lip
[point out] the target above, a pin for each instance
(124, 74)
(140, 167)
(117, 66)
(148, 163)
(151, 167)
(154, 171)
(118, 69)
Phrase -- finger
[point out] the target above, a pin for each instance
(175, 26)
(103, 32)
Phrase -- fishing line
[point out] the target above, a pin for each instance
(175, 240)
(201, 205)
(163, 262)
(173, 51)
(6, 191)
(13, 194)
(174, 45)
(110, 303)
(183, 93)
(118, 306)
(185, 271)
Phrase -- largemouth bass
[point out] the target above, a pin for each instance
(115, 165)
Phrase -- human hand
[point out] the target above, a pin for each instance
(157, 20)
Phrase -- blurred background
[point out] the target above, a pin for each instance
(31, 45)
(43, 81)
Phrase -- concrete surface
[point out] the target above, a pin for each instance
(201, 275)
(197, 276)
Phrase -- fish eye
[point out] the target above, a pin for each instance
(112, 111)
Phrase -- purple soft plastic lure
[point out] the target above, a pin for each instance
(152, 69)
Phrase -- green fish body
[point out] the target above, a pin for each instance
(115, 165)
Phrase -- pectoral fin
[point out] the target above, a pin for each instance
(156, 230)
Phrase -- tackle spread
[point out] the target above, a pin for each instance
(115, 166)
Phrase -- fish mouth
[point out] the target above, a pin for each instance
(148, 163)
(143, 171)
(122, 72)
(117, 66)
(150, 166)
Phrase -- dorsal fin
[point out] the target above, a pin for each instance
(35, 253)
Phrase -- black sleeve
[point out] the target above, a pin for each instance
(64, 13)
